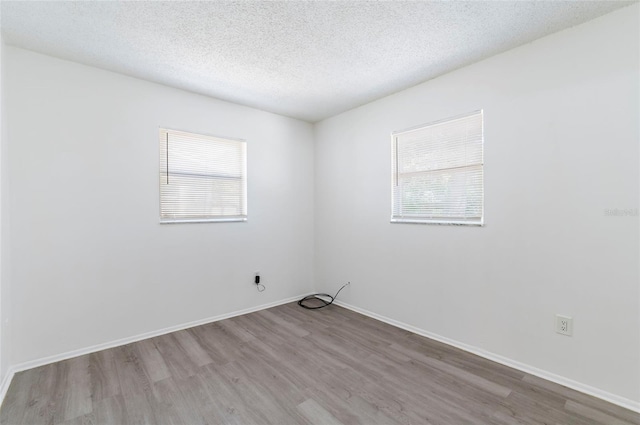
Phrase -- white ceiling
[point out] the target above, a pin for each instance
(308, 60)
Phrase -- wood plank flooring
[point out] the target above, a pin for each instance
(287, 365)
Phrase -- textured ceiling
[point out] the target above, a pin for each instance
(308, 60)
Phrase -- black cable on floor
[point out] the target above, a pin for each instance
(316, 298)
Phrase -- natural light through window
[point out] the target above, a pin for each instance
(437, 172)
(202, 178)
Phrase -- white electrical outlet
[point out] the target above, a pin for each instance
(564, 325)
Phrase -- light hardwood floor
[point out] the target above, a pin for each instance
(287, 365)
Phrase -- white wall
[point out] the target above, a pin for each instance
(3, 298)
(561, 130)
(89, 261)
(5, 290)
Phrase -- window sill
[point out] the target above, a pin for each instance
(438, 222)
(204, 220)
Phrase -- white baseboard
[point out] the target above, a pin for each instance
(99, 347)
(578, 386)
(6, 381)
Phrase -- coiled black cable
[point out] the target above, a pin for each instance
(316, 298)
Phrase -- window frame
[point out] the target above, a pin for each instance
(163, 159)
(397, 218)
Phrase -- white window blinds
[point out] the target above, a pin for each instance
(202, 178)
(437, 172)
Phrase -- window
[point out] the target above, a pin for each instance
(202, 178)
(437, 172)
